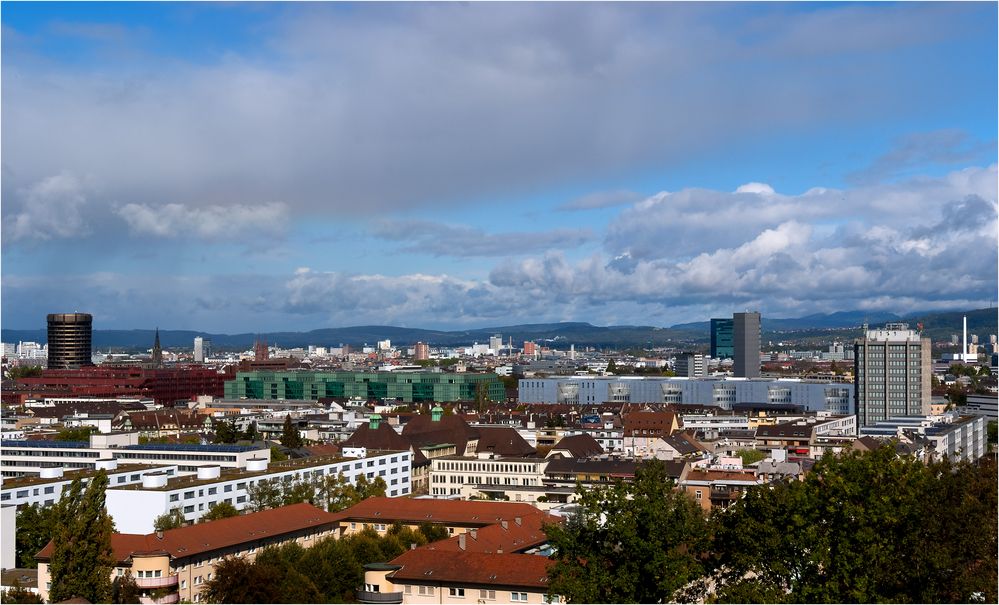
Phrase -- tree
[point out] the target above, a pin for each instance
(82, 559)
(226, 432)
(35, 525)
(277, 455)
(750, 456)
(289, 434)
(24, 372)
(637, 542)
(81, 433)
(251, 433)
(611, 367)
(992, 430)
(267, 493)
(294, 492)
(171, 520)
(872, 527)
(220, 510)
(124, 589)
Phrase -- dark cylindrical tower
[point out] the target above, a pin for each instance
(69, 340)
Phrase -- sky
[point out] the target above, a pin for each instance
(258, 167)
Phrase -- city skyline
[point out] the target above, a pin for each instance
(237, 168)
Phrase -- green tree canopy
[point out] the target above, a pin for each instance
(82, 559)
(220, 510)
(637, 542)
(289, 434)
(35, 526)
(171, 520)
(872, 527)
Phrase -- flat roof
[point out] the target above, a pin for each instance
(189, 481)
(71, 474)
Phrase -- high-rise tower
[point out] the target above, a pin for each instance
(746, 344)
(69, 340)
(892, 370)
(721, 339)
(157, 350)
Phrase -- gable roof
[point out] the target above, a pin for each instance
(508, 536)
(503, 441)
(455, 512)
(423, 431)
(384, 438)
(459, 567)
(579, 446)
(657, 422)
(215, 535)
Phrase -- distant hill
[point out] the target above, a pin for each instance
(938, 326)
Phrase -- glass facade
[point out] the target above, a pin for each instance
(406, 387)
(721, 339)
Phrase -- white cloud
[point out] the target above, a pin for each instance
(178, 220)
(53, 207)
(757, 188)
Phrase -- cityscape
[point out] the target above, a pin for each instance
(434, 302)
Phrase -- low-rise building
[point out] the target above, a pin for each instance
(456, 516)
(448, 474)
(21, 457)
(47, 488)
(174, 565)
(135, 507)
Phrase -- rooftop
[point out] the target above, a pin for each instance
(460, 567)
(458, 512)
(235, 474)
(216, 535)
(71, 474)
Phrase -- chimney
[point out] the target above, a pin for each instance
(159, 535)
(505, 524)
(475, 533)
(517, 520)
(499, 551)
(412, 546)
(461, 541)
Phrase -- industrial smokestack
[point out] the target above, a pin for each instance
(964, 341)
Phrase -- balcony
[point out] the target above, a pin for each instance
(365, 596)
(173, 597)
(163, 582)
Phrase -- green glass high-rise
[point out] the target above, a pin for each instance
(722, 345)
(407, 387)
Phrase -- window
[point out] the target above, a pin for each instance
(518, 596)
(408, 589)
(456, 592)
(174, 497)
(228, 488)
(183, 583)
(197, 580)
(188, 495)
(487, 594)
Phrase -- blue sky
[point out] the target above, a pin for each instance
(255, 167)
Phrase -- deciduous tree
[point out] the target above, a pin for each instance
(82, 559)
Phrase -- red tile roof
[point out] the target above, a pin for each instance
(657, 423)
(214, 535)
(464, 568)
(456, 512)
(504, 537)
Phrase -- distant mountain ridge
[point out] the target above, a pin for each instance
(937, 325)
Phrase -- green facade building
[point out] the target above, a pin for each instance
(407, 387)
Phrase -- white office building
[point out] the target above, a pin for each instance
(135, 507)
(833, 397)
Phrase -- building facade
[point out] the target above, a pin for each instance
(408, 387)
(69, 340)
(892, 370)
(721, 339)
(834, 397)
(746, 344)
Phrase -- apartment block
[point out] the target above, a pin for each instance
(135, 507)
(173, 565)
(47, 488)
(22, 457)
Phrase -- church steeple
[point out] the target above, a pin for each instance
(157, 350)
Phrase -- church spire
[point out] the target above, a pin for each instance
(157, 350)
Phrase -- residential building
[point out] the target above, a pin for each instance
(982, 405)
(450, 473)
(717, 488)
(952, 435)
(422, 351)
(47, 488)
(21, 457)
(722, 339)
(690, 365)
(135, 507)
(892, 370)
(173, 565)
(455, 516)
(746, 344)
